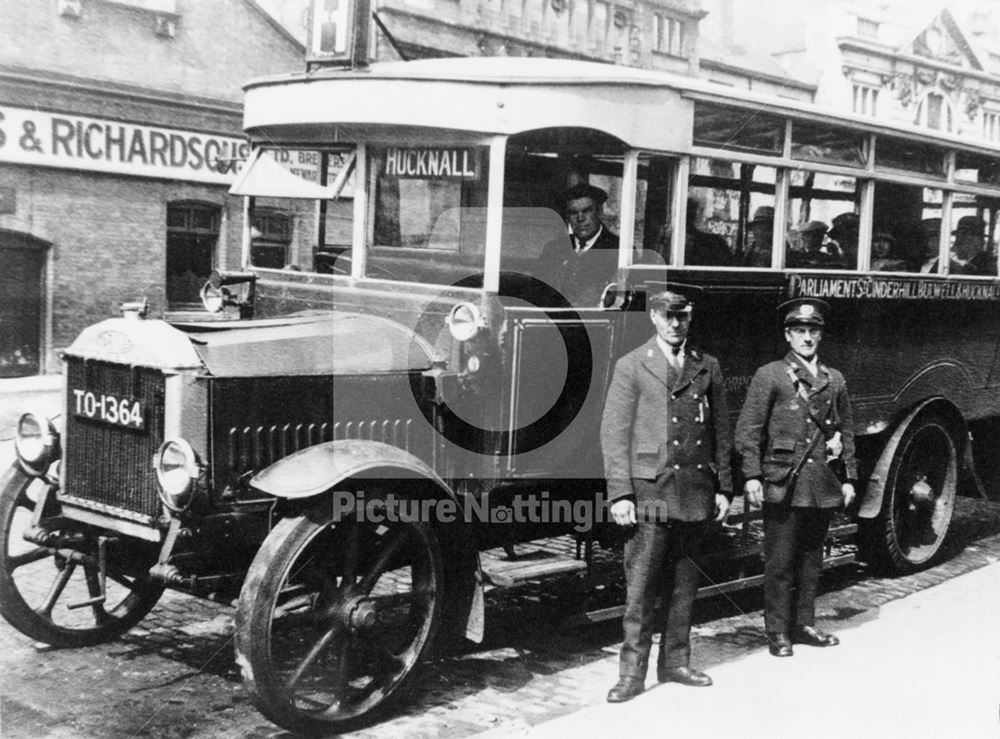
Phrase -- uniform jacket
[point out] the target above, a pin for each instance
(580, 277)
(666, 436)
(775, 429)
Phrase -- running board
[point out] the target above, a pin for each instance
(616, 612)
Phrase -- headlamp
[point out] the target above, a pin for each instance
(36, 442)
(464, 321)
(177, 471)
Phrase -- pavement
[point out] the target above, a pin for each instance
(928, 666)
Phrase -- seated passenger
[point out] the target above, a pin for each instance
(969, 255)
(814, 251)
(701, 247)
(883, 257)
(580, 265)
(930, 229)
(844, 230)
(760, 235)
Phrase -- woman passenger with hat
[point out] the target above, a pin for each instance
(795, 436)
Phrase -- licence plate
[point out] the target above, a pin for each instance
(108, 408)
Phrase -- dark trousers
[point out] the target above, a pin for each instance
(659, 562)
(793, 559)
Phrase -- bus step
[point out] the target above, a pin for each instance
(528, 566)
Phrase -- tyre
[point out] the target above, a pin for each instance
(919, 496)
(333, 618)
(53, 593)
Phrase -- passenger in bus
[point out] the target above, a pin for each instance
(815, 251)
(760, 236)
(701, 247)
(884, 256)
(969, 255)
(666, 441)
(844, 230)
(795, 435)
(930, 230)
(581, 265)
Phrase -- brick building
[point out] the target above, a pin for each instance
(119, 121)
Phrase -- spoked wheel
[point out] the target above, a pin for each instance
(334, 617)
(919, 495)
(51, 590)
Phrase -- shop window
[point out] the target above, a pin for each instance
(192, 236)
(272, 236)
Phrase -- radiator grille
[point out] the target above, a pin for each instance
(107, 464)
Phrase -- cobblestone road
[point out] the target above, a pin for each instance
(174, 675)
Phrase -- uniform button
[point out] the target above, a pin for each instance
(694, 395)
(699, 467)
(698, 443)
(677, 466)
(809, 460)
(676, 442)
(675, 419)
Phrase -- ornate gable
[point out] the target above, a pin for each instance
(943, 41)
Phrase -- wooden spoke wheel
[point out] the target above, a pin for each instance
(52, 590)
(334, 617)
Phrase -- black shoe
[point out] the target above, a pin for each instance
(779, 644)
(683, 675)
(813, 637)
(625, 689)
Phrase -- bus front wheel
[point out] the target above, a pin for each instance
(919, 496)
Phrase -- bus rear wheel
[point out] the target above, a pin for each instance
(919, 496)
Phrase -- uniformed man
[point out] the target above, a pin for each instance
(796, 440)
(666, 443)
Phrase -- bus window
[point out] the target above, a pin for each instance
(289, 188)
(906, 221)
(653, 203)
(428, 213)
(730, 217)
(571, 198)
(815, 199)
(836, 144)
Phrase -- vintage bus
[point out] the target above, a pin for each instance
(400, 383)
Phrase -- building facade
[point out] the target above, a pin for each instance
(120, 131)
(915, 63)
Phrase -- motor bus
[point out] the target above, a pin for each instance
(397, 384)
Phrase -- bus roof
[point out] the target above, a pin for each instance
(509, 95)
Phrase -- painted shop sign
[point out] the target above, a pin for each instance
(100, 145)
(892, 289)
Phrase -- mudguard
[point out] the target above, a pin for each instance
(317, 469)
(871, 504)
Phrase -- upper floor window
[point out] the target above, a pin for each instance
(935, 111)
(991, 125)
(667, 35)
(865, 100)
(867, 28)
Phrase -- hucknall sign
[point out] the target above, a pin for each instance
(52, 139)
